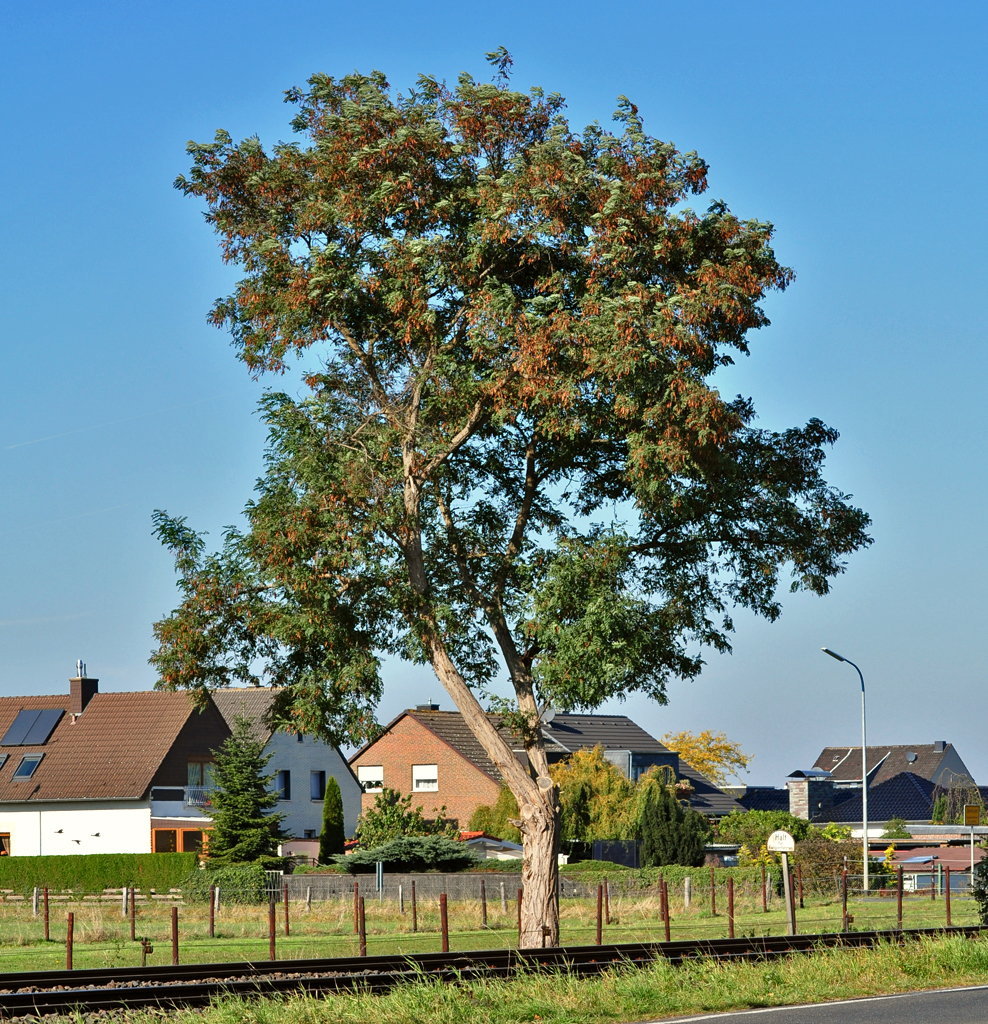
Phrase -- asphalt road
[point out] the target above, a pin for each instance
(946, 1006)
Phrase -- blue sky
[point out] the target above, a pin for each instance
(858, 129)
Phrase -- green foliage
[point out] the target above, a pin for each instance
(238, 883)
(392, 817)
(939, 814)
(979, 889)
(670, 832)
(333, 835)
(752, 828)
(494, 819)
(837, 833)
(895, 828)
(822, 857)
(412, 853)
(245, 826)
(521, 325)
(94, 872)
(596, 798)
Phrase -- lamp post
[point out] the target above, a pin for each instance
(864, 761)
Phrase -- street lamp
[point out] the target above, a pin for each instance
(864, 760)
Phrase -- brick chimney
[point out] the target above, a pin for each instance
(81, 689)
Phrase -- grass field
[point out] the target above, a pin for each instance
(624, 994)
(102, 935)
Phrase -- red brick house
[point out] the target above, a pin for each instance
(433, 755)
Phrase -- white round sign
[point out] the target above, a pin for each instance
(781, 842)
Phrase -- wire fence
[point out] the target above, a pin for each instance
(307, 916)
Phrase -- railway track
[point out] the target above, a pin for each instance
(36, 993)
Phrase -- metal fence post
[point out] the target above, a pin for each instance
(287, 925)
(212, 912)
(47, 933)
(713, 893)
(600, 913)
(946, 897)
(764, 892)
(272, 927)
(899, 901)
(415, 913)
(483, 904)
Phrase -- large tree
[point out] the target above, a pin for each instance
(511, 459)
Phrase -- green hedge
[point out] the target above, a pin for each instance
(94, 872)
(238, 883)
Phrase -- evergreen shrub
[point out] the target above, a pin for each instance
(412, 853)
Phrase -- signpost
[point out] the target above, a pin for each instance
(972, 818)
(782, 842)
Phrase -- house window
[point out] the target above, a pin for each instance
(4, 844)
(27, 766)
(199, 773)
(425, 777)
(317, 785)
(371, 777)
(191, 841)
(165, 840)
(283, 785)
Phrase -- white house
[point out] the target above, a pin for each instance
(90, 772)
(303, 764)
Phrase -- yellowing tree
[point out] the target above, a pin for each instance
(710, 753)
(597, 800)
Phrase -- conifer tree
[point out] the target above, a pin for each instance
(333, 834)
(671, 833)
(245, 826)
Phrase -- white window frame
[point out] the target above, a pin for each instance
(371, 777)
(425, 778)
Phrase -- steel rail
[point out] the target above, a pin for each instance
(36, 993)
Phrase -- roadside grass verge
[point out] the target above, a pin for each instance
(624, 994)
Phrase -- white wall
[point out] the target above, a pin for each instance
(51, 827)
(301, 758)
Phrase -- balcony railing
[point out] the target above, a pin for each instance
(198, 796)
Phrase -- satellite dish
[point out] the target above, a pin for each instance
(548, 715)
(911, 756)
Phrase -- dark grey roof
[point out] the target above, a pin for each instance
(710, 801)
(906, 795)
(884, 762)
(765, 798)
(570, 732)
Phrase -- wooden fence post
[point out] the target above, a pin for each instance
(520, 894)
(415, 913)
(713, 893)
(68, 942)
(363, 929)
(665, 901)
(287, 926)
(600, 913)
(483, 904)
(356, 908)
(47, 932)
(272, 927)
(174, 936)
(444, 922)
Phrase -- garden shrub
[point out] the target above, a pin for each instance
(412, 853)
(238, 883)
(94, 872)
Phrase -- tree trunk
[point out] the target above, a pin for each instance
(540, 870)
(538, 803)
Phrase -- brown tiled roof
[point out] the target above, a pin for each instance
(250, 702)
(111, 751)
(844, 763)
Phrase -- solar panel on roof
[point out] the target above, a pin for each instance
(32, 727)
(43, 727)
(19, 728)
